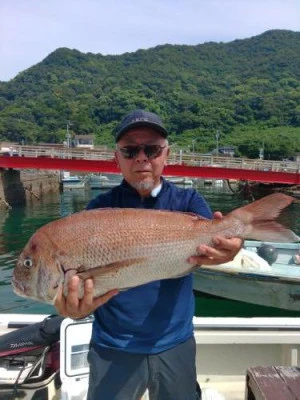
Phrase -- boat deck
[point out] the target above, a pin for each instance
(220, 389)
(226, 349)
(223, 389)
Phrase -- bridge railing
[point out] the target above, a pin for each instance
(64, 153)
(192, 159)
(236, 163)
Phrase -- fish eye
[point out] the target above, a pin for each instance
(27, 263)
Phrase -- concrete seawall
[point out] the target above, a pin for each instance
(16, 186)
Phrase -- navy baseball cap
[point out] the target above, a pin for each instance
(140, 118)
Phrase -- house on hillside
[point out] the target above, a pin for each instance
(83, 141)
(8, 149)
(227, 151)
(296, 157)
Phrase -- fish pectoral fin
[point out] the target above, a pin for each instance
(110, 268)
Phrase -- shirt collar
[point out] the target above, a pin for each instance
(156, 190)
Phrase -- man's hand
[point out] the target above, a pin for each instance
(225, 249)
(73, 307)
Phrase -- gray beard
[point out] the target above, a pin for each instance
(144, 186)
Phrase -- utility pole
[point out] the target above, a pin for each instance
(193, 142)
(262, 151)
(218, 134)
(68, 134)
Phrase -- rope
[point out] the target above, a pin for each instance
(233, 190)
(5, 203)
(245, 188)
(31, 192)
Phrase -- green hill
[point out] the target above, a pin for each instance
(247, 90)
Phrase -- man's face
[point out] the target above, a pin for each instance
(142, 171)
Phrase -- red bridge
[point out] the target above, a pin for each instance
(179, 164)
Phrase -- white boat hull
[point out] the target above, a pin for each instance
(75, 186)
(102, 182)
(249, 289)
(181, 181)
(278, 286)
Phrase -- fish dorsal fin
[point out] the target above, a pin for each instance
(191, 214)
(196, 216)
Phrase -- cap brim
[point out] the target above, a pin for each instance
(137, 124)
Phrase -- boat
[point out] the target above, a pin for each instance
(293, 191)
(66, 178)
(101, 182)
(251, 279)
(178, 180)
(45, 357)
(71, 182)
(218, 182)
(73, 185)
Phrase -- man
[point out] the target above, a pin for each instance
(143, 337)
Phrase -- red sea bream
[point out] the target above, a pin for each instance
(123, 248)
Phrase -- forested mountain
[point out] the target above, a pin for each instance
(246, 90)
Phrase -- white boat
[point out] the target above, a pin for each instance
(71, 179)
(66, 177)
(218, 182)
(178, 180)
(250, 278)
(101, 182)
(57, 367)
(82, 185)
(71, 182)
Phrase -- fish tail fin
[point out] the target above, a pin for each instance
(271, 231)
(259, 218)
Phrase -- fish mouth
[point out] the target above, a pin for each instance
(18, 287)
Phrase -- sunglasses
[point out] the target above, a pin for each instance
(151, 150)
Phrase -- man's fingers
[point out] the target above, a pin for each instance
(73, 292)
(224, 251)
(230, 244)
(99, 301)
(87, 300)
(218, 215)
(88, 288)
(74, 307)
(59, 300)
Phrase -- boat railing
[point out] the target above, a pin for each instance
(251, 332)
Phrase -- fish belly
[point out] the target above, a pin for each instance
(143, 265)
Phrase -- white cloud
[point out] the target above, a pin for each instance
(31, 29)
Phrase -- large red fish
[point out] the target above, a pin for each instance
(123, 248)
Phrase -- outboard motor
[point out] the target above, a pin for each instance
(268, 253)
(29, 360)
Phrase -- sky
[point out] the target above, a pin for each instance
(32, 29)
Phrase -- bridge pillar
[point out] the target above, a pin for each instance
(12, 191)
(16, 186)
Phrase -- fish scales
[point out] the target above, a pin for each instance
(123, 248)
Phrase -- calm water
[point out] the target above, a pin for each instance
(17, 225)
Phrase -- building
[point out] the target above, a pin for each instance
(296, 157)
(227, 151)
(83, 141)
